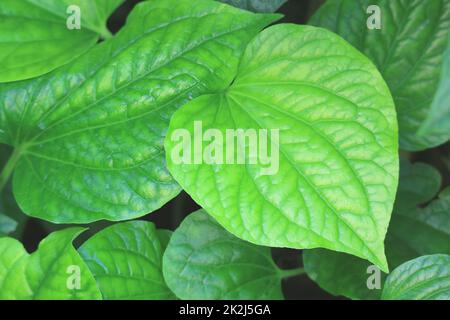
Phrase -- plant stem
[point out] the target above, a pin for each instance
(9, 168)
(292, 272)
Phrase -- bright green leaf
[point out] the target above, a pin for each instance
(204, 261)
(54, 271)
(438, 120)
(408, 50)
(338, 160)
(89, 136)
(257, 5)
(424, 278)
(126, 261)
(35, 38)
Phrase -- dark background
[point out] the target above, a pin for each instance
(32, 231)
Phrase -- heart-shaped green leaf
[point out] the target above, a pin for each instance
(257, 5)
(408, 49)
(204, 261)
(89, 136)
(126, 261)
(37, 36)
(335, 150)
(424, 278)
(54, 271)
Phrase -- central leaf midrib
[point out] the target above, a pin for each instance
(312, 185)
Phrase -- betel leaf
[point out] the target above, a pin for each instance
(424, 278)
(204, 261)
(7, 225)
(438, 120)
(413, 232)
(257, 5)
(343, 275)
(54, 271)
(408, 50)
(423, 230)
(89, 136)
(35, 37)
(126, 261)
(333, 173)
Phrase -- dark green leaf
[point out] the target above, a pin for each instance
(204, 261)
(408, 50)
(257, 5)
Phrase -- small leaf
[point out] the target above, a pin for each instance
(408, 50)
(335, 168)
(126, 261)
(438, 120)
(424, 278)
(257, 5)
(341, 274)
(89, 136)
(35, 38)
(204, 261)
(46, 273)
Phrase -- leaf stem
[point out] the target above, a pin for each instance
(9, 168)
(291, 272)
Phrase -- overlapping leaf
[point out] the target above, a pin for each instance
(46, 273)
(408, 50)
(424, 278)
(338, 162)
(257, 5)
(35, 38)
(89, 136)
(413, 232)
(204, 261)
(126, 261)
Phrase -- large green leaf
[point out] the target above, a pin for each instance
(338, 161)
(46, 273)
(89, 136)
(438, 120)
(126, 261)
(257, 5)
(414, 231)
(204, 261)
(408, 50)
(424, 278)
(35, 39)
